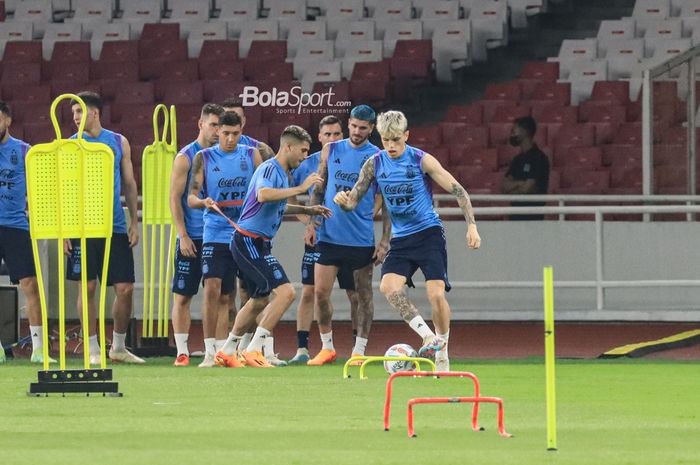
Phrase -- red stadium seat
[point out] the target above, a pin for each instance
(554, 92)
(487, 158)
(216, 52)
(674, 155)
(160, 31)
(469, 114)
(275, 50)
(577, 181)
(268, 70)
(583, 158)
(40, 133)
(258, 132)
(22, 52)
(621, 154)
(225, 71)
(371, 70)
(26, 93)
(412, 59)
(553, 113)
(178, 93)
(157, 56)
(575, 135)
(464, 134)
(218, 91)
(132, 113)
(508, 90)
(613, 92)
(32, 113)
(499, 133)
(629, 134)
(65, 87)
(372, 91)
(135, 92)
(509, 113)
(120, 51)
(71, 52)
(426, 136)
(27, 73)
(79, 74)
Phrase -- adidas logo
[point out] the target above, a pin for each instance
(383, 176)
(216, 169)
(420, 325)
(337, 161)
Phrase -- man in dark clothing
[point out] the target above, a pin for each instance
(529, 170)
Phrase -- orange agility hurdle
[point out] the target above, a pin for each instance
(454, 400)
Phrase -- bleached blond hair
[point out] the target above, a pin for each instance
(392, 123)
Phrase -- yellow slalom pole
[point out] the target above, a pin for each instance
(550, 358)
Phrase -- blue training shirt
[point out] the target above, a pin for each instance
(264, 218)
(407, 191)
(13, 184)
(249, 141)
(355, 228)
(306, 168)
(194, 217)
(114, 141)
(226, 179)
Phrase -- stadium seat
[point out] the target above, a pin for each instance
(489, 21)
(26, 93)
(657, 9)
(255, 31)
(392, 10)
(583, 158)
(508, 113)
(348, 32)
(555, 114)
(218, 91)
(136, 114)
(71, 52)
(671, 28)
(574, 135)
(215, 52)
(312, 51)
(156, 55)
(624, 58)
(611, 92)
(37, 12)
(670, 154)
(463, 134)
(179, 93)
(187, 13)
(573, 51)
(426, 136)
(199, 34)
(286, 9)
(413, 60)
(583, 75)
(400, 31)
(237, 11)
(576, 181)
(469, 114)
(135, 92)
(91, 15)
(122, 51)
(547, 93)
(320, 72)
(629, 134)
(303, 31)
(105, 33)
(471, 156)
(451, 45)
(77, 73)
(139, 12)
(611, 31)
(535, 72)
(10, 32)
(59, 33)
(441, 10)
(360, 51)
(268, 70)
(263, 50)
(22, 52)
(21, 72)
(507, 90)
(369, 91)
(222, 71)
(159, 32)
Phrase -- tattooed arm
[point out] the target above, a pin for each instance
(265, 151)
(444, 179)
(196, 183)
(348, 200)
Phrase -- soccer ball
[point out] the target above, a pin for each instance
(399, 350)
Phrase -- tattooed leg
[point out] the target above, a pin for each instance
(392, 287)
(365, 307)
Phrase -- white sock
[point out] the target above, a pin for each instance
(419, 325)
(327, 340)
(181, 343)
(269, 347)
(219, 343)
(37, 338)
(245, 341)
(360, 345)
(231, 344)
(256, 344)
(446, 338)
(302, 350)
(209, 347)
(95, 345)
(118, 341)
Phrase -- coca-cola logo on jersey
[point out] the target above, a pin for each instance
(347, 177)
(405, 188)
(238, 181)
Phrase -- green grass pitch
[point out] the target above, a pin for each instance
(609, 412)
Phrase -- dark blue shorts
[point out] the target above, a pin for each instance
(16, 251)
(121, 260)
(344, 256)
(188, 270)
(217, 262)
(346, 280)
(261, 271)
(425, 250)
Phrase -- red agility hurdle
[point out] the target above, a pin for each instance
(476, 399)
(450, 400)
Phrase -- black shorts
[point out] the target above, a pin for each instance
(425, 250)
(261, 271)
(121, 260)
(346, 279)
(344, 256)
(188, 270)
(218, 262)
(16, 251)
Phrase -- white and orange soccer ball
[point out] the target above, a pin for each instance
(399, 350)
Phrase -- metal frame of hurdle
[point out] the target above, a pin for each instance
(476, 399)
(367, 359)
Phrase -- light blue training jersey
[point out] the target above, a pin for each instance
(407, 191)
(264, 218)
(13, 184)
(355, 228)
